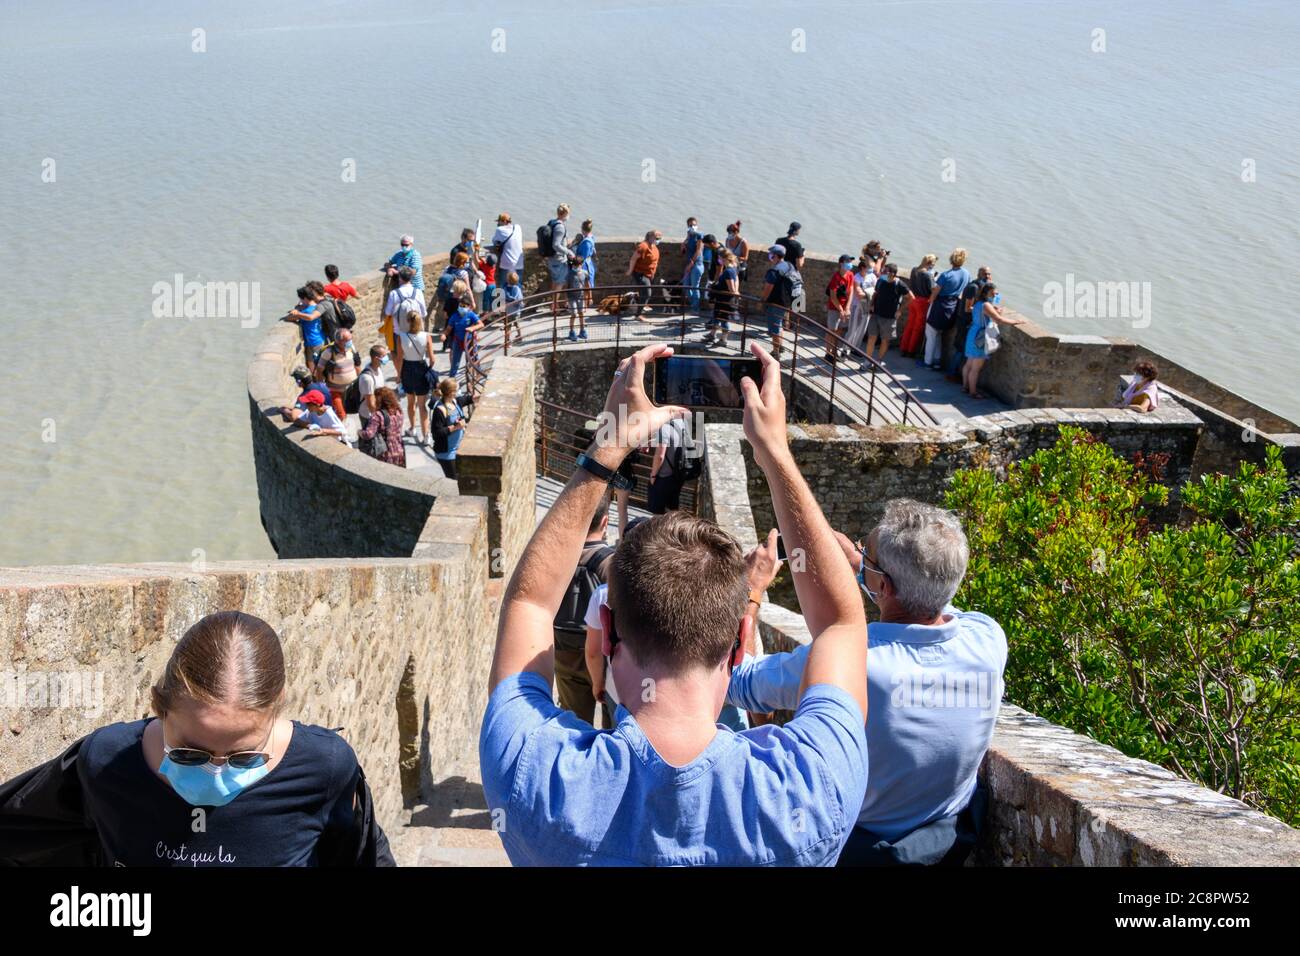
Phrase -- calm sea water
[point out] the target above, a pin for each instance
(128, 434)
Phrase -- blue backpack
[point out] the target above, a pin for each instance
(445, 281)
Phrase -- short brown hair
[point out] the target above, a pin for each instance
(677, 590)
(601, 512)
(226, 658)
(1147, 370)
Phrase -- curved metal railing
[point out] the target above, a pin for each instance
(857, 385)
(563, 433)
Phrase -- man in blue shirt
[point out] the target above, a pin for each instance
(408, 256)
(693, 274)
(933, 690)
(669, 786)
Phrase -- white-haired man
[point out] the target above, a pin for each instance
(406, 255)
(933, 690)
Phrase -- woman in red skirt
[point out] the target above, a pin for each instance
(912, 341)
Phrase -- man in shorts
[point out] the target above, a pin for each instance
(891, 294)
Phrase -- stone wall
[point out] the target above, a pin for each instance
(854, 470)
(1039, 369)
(350, 629)
(1057, 798)
(496, 459)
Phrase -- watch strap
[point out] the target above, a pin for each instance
(608, 475)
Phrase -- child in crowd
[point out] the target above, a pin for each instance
(514, 304)
(487, 267)
(575, 285)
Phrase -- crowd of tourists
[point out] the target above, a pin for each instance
(875, 766)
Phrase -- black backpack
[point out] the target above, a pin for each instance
(572, 615)
(685, 467)
(352, 397)
(545, 243)
(791, 287)
(347, 318)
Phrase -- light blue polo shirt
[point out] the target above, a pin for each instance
(562, 793)
(952, 282)
(932, 702)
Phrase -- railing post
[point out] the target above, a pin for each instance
(871, 398)
(794, 354)
(618, 335)
(546, 461)
(555, 331)
(744, 329)
(907, 400)
(682, 338)
(830, 403)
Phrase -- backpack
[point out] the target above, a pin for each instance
(545, 245)
(352, 397)
(791, 286)
(376, 446)
(685, 467)
(445, 282)
(405, 306)
(347, 317)
(573, 609)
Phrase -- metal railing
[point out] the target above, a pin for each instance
(562, 433)
(862, 389)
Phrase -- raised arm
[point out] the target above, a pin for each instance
(823, 580)
(524, 635)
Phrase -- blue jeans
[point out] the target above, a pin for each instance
(691, 284)
(457, 352)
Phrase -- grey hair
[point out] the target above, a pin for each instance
(924, 551)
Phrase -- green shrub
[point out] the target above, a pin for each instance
(1180, 644)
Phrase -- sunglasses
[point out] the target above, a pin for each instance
(194, 757)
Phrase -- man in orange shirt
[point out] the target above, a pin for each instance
(642, 267)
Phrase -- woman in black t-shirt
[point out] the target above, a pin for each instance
(218, 778)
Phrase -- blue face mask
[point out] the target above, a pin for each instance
(207, 785)
(385, 360)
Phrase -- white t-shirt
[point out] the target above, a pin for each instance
(326, 419)
(413, 346)
(512, 253)
(368, 382)
(592, 620)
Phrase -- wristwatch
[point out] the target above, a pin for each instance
(607, 475)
